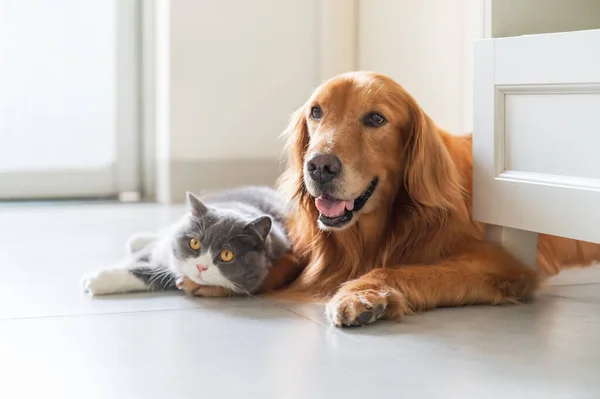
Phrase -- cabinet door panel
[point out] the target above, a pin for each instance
(536, 139)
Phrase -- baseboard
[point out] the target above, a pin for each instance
(198, 176)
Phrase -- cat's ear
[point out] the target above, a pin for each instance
(262, 225)
(196, 206)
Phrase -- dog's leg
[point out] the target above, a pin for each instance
(556, 253)
(195, 289)
(484, 275)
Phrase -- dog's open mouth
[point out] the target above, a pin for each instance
(336, 213)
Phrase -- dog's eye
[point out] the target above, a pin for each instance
(374, 119)
(316, 113)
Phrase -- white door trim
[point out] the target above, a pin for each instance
(127, 169)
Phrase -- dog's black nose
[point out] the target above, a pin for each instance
(323, 167)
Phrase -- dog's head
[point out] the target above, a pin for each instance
(358, 140)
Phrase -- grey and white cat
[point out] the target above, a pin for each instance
(227, 239)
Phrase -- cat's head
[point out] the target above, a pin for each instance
(214, 246)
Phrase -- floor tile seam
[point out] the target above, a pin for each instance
(324, 325)
(579, 300)
(568, 285)
(5, 319)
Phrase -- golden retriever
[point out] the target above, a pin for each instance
(381, 210)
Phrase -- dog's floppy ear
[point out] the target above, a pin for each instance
(296, 143)
(431, 177)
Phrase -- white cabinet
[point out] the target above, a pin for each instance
(536, 140)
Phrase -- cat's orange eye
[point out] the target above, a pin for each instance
(226, 255)
(194, 244)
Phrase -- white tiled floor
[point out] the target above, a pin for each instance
(56, 342)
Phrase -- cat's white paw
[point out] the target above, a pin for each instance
(112, 281)
(139, 241)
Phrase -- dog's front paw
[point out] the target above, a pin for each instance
(187, 285)
(194, 289)
(356, 308)
(213, 291)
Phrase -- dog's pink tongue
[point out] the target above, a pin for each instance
(332, 208)
(350, 205)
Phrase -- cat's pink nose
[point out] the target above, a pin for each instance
(202, 268)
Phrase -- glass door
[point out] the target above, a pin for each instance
(68, 98)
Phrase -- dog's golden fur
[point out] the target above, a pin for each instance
(414, 245)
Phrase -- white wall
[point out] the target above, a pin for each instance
(526, 17)
(427, 47)
(337, 40)
(238, 69)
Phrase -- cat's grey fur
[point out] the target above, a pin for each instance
(248, 221)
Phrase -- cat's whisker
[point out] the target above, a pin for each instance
(151, 282)
(242, 290)
(240, 235)
(196, 222)
(198, 226)
(172, 281)
(201, 228)
(153, 275)
(230, 230)
(168, 277)
(157, 275)
(164, 281)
